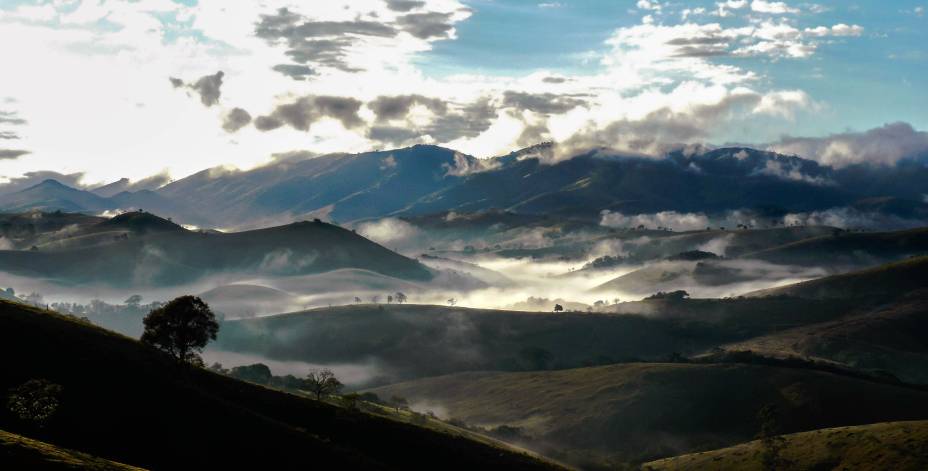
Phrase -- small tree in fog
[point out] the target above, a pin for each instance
(322, 383)
(400, 297)
(399, 403)
(452, 302)
(389, 299)
(181, 328)
(375, 299)
(357, 300)
(558, 308)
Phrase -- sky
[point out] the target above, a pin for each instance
(96, 90)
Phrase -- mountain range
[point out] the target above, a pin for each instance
(423, 179)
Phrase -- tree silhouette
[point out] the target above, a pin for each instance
(558, 308)
(322, 383)
(400, 297)
(181, 328)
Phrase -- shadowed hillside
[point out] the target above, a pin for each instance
(455, 339)
(599, 417)
(127, 402)
(900, 446)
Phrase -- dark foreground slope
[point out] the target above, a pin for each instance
(126, 402)
(145, 250)
(602, 416)
(900, 446)
(19, 452)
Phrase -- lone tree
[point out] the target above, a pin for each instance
(322, 383)
(400, 297)
(34, 401)
(182, 327)
(558, 308)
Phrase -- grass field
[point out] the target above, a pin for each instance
(897, 446)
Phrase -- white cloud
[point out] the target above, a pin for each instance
(665, 219)
(777, 8)
(885, 145)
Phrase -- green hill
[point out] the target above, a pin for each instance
(875, 284)
(900, 446)
(603, 416)
(19, 452)
(145, 250)
(457, 339)
(126, 402)
(842, 249)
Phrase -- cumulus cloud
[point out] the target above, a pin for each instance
(790, 170)
(762, 6)
(544, 103)
(12, 153)
(235, 119)
(389, 232)
(885, 145)
(666, 219)
(207, 87)
(303, 112)
(465, 165)
(432, 25)
(404, 5)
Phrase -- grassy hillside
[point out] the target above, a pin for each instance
(126, 402)
(849, 249)
(145, 250)
(888, 338)
(900, 446)
(19, 452)
(603, 416)
(875, 284)
(456, 339)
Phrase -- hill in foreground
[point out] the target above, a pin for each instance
(900, 446)
(126, 402)
(19, 452)
(604, 416)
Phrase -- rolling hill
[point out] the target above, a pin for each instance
(854, 250)
(901, 446)
(394, 338)
(144, 250)
(601, 417)
(126, 402)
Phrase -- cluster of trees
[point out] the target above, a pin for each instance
(397, 297)
(320, 383)
(678, 295)
(35, 402)
(96, 307)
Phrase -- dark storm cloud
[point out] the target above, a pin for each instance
(267, 123)
(235, 119)
(392, 134)
(303, 112)
(11, 154)
(544, 103)
(294, 71)
(208, 87)
(323, 43)
(432, 25)
(470, 121)
(404, 5)
(397, 107)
